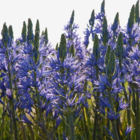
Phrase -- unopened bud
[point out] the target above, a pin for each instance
(96, 50)
(92, 19)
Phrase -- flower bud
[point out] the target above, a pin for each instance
(131, 19)
(96, 50)
(62, 48)
(36, 47)
(30, 31)
(24, 32)
(37, 28)
(71, 19)
(103, 7)
(11, 32)
(56, 48)
(119, 48)
(137, 12)
(110, 67)
(107, 54)
(92, 18)
(72, 52)
(5, 34)
(116, 22)
(46, 36)
(105, 32)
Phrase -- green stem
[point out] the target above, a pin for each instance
(108, 125)
(53, 129)
(23, 133)
(134, 100)
(137, 118)
(41, 118)
(31, 131)
(85, 124)
(128, 111)
(113, 122)
(126, 98)
(71, 126)
(12, 100)
(97, 107)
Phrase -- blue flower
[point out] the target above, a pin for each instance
(102, 83)
(128, 130)
(112, 115)
(9, 94)
(135, 53)
(87, 34)
(104, 102)
(58, 121)
(122, 105)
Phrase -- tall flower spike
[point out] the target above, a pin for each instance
(62, 48)
(36, 47)
(137, 12)
(103, 7)
(30, 30)
(92, 19)
(105, 32)
(116, 22)
(72, 19)
(96, 50)
(119, 48)
(131, 19)
(37, 28)
(24, 32)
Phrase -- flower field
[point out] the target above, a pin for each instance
(72, 92)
